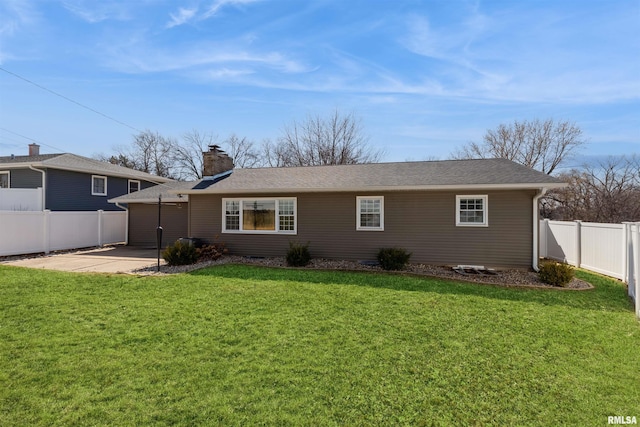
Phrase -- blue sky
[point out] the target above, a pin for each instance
(425, 77)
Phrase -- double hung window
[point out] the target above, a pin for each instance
(472, 211)
(98, 185)
(370, 213)
(5, 180)
(134, 186)
(259, 215)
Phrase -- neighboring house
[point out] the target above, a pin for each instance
(146, 207)
(477, 212)
(68, 182)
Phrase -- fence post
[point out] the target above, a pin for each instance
(46, 230)
(626, 251)
(636, 253)
(544, 238)
(100, 226)
(578, 243)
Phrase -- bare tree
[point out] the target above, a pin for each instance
(540, 144)
(150, 152)
(188, 155)
(242, 151)
(607, 191)
(334, 140)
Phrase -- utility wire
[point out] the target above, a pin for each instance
(70, 100)
(31, 139)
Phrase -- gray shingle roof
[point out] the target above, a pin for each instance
(168, 190)
(77, 163)
(458, 174)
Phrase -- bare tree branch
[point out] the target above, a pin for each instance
(334, 140)
(188, 155)
(150, 152)
(243, 151)
(540, 144)
(608, 191)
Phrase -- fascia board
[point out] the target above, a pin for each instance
(155, 179)
(45, 164)
(530, 186)
(151, 200)
(22, 165)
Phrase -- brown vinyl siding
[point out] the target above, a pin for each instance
(419, 221)
(143, 222)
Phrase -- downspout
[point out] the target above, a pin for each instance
(536, 228)
(44, 186)
(126, 223)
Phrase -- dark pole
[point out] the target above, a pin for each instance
(159, 229)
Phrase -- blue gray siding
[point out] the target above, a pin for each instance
(71, 191)
(25, 178)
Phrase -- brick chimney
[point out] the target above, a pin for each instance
(34, 150)
(216, 161)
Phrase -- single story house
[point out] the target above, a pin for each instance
(475, 212)
(68, 182)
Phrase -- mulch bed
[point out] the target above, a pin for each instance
(504, 277)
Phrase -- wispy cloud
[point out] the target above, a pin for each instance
(95, 12)
(186, 15)
(219, 4)
(226, 60)
(506, 58)
(181, 17)
(16, 16)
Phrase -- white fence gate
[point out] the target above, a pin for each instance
(609, 249)
(45, 231)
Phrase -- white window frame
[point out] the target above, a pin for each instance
(93, 177)
(8, 173)
(359, 226)
(131, 181)
(485, 210)
(277, 230)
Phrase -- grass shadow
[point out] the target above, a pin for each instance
(608, 295)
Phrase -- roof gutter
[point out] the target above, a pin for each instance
(44, 186)
(536, 229)
(152, 178)
(274, 190)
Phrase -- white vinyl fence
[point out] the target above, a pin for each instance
(21, 199)
(609, 249)
(45, 231)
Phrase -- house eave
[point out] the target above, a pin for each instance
(45, 165)
(363, 189)
(21, 165)
(150, 200)
(153, 178)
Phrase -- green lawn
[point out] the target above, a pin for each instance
(236, 345)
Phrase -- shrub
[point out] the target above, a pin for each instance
(556, 274)
(211, 252)
(180, 253)
(298, 255)
(393, 258)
